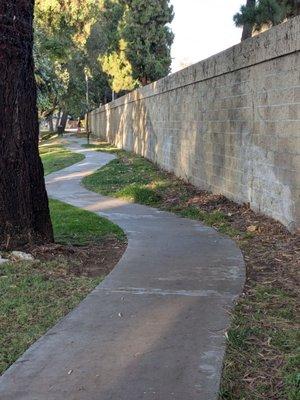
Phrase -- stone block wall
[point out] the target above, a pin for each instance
(229, 124)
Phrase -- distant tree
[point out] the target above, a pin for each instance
(148, 38)
(256, 14)
(106, 51)
(62, 31)
(119, 69)
(121, 43)
(24, 212)
(51, 77)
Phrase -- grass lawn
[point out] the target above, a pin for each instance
(74, 226)
(56, 157)
(35, 295)
(262, 359)
(134, 178)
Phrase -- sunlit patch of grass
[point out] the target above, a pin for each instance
(105, 147)
(72, 225)
(139, 194)
(56, 157)
(130, 177)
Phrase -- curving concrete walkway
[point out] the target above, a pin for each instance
(154, 329)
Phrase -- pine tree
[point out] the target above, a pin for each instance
(148, 38)
(106, 48)
(119, 69)
(257, 14)
(248, 25)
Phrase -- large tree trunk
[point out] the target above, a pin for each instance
(24, 211)
(57, 122)
(63, 120)
(50, 122)
(248, 28)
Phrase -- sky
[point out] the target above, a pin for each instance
(203, 28)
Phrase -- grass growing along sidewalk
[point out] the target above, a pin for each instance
(262, 359)
(134, 178)
(35, 295)
(74, 226)
(56, 157)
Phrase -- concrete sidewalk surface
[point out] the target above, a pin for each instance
(154, 329)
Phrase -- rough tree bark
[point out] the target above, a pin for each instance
(248, 28)
(24, 211)
(50, 121)
(63, 120)
(57, 122)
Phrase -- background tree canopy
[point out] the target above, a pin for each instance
(111, 45)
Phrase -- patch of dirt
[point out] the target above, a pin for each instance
(270, 250)
(272, 259)
(93, 260)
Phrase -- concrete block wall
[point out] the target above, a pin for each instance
(229, 124)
